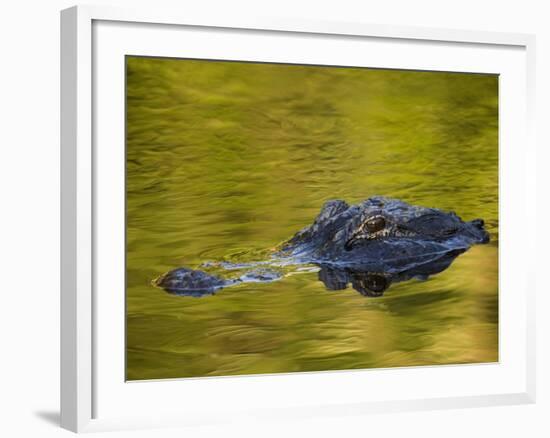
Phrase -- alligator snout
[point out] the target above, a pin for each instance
(478, 231)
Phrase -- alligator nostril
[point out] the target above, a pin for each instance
(479, 223)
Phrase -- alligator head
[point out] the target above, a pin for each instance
(384, 233)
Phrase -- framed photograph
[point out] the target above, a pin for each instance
(283, 218)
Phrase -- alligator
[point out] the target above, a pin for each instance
(372, 244)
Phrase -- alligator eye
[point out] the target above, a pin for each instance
(375, 224)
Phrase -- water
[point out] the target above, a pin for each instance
(226, 160)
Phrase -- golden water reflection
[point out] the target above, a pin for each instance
(230, 158)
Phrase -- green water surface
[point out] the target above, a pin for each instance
(229, 158)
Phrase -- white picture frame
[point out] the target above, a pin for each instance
(84, 55)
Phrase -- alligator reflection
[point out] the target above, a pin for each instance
(374, 284)
(366, 281)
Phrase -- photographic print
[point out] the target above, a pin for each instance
(287, 218)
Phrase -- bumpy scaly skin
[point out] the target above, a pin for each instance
(370, 245)
(340, 234)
